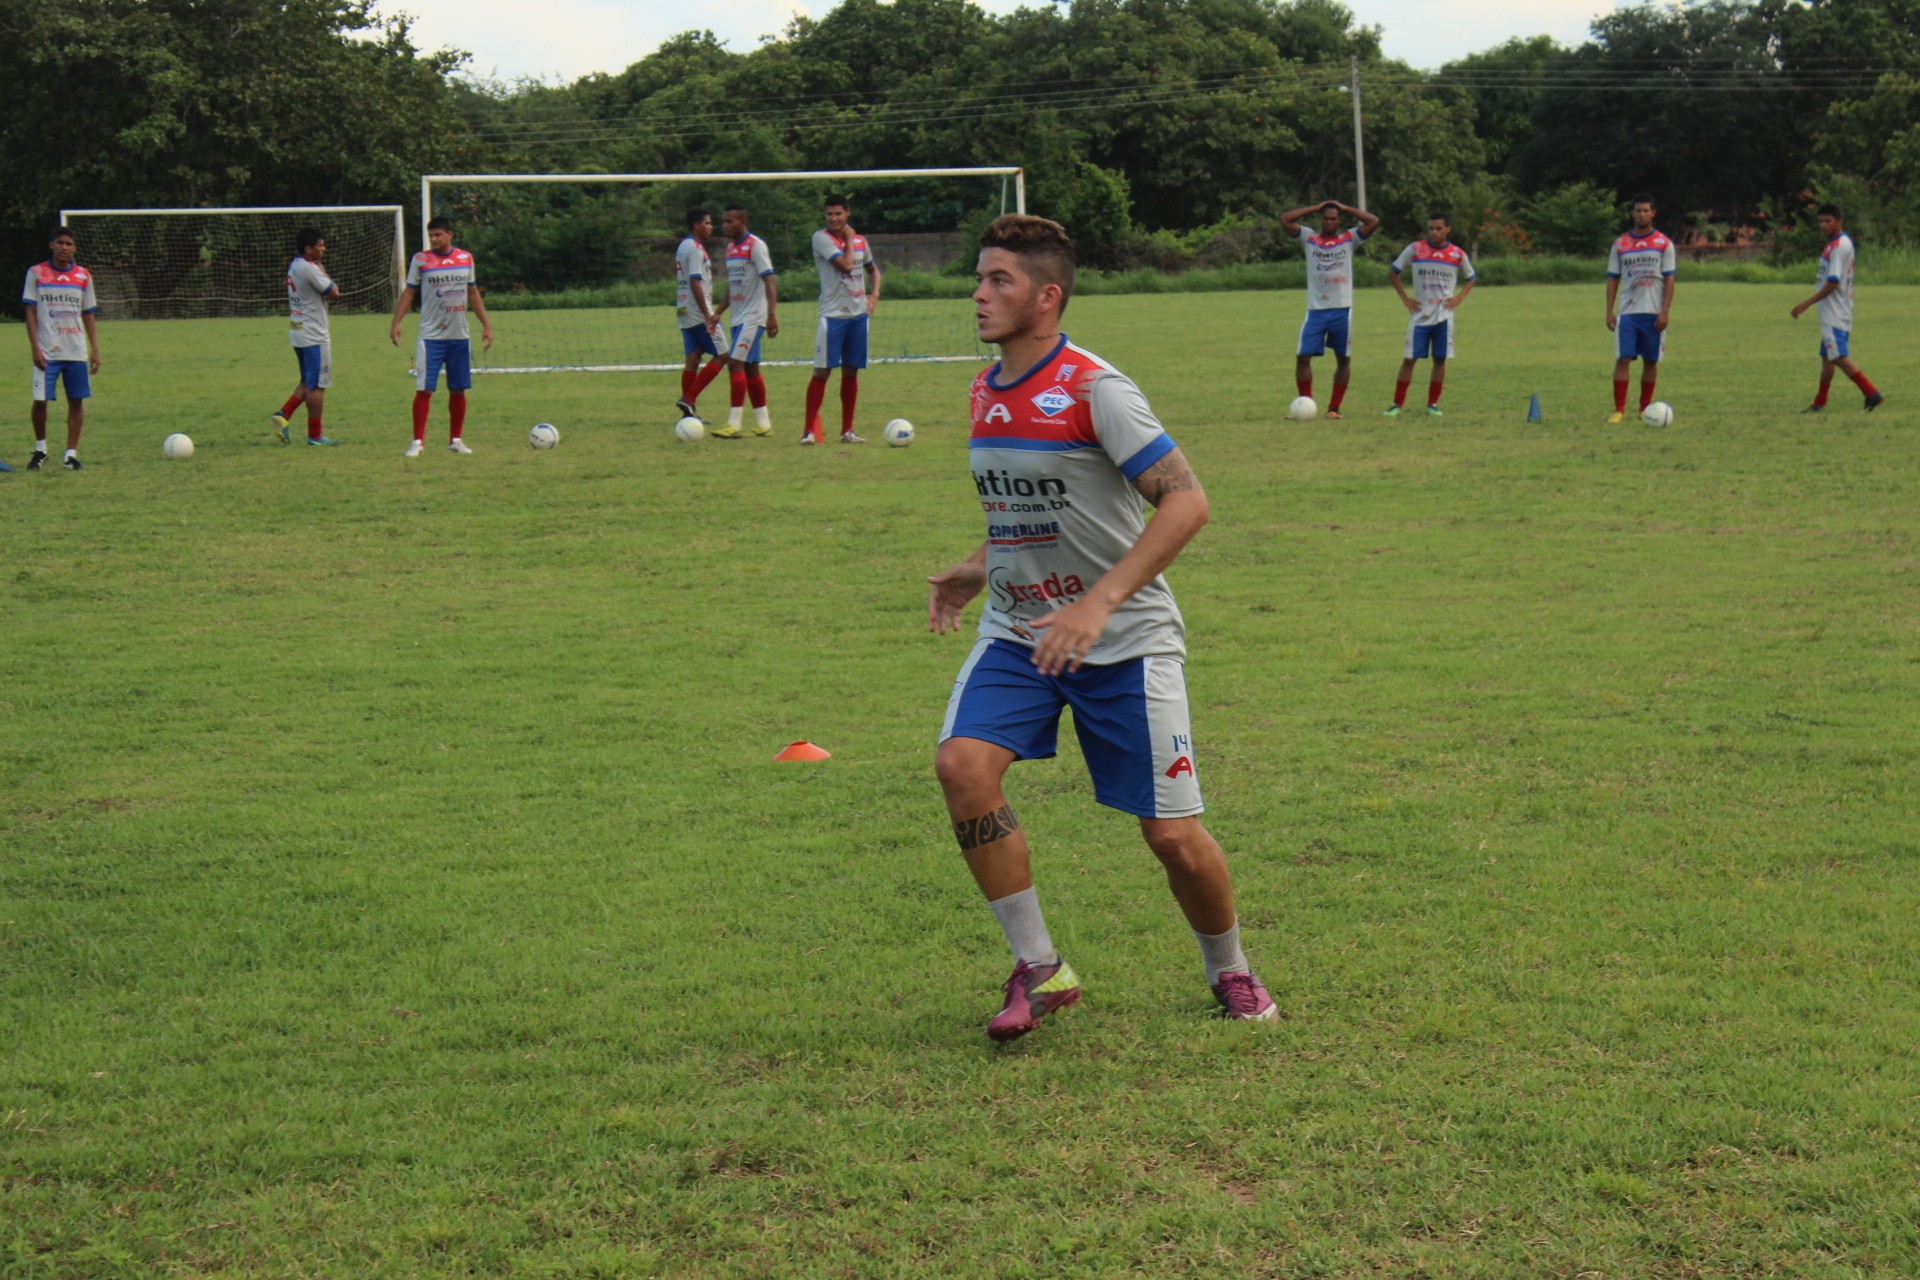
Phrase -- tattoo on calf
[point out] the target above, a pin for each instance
(974, 832)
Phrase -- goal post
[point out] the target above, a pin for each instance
(584, 261)
(205, 263)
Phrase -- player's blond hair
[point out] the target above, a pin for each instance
(1043, 246)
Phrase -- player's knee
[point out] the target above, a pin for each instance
(1181, 844)
(961, 766)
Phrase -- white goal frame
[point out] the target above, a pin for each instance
(428, 180)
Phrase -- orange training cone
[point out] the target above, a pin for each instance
(803, 751)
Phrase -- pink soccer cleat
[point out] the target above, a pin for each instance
(1033, 992)
(1244, 999)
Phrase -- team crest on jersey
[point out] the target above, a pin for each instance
(1053, 402)
(997, 413)
(1065, 373)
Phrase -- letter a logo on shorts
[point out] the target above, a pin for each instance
(1180, 766)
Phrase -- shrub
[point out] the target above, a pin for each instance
(1576, 219)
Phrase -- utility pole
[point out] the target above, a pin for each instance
(1359, 147)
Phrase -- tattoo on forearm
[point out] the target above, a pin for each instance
(974, 832)
(1169, 475)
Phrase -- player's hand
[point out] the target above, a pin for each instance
(1798, 308)
(93, 363)
(1069, 635)
(873, 305)
(1411, 305)
(40, 360)
(486, 339)
(1660, 323)
(1613, 323)
(1452, 302)
(773, 326)
(394, 336)
(950, 594)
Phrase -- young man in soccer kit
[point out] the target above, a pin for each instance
(58, 297)
(1438, 266)
(753, 297)
(1644, 259)
(1065, 454)
(308, 288)
(693, 308)
(1835, 300)
(1329, 291)
(849, 293)
(442, 277)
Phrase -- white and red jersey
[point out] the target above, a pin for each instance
(442, 281)
(1836, 267)
(1054, 456)
(1436, 273)
(1642, 264)
(1330, 267)
(307, 290)
(842, 293)
(690, 263)
(59, 298)
(748, 266)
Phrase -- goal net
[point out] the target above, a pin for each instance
(197, 264)
(582, 265)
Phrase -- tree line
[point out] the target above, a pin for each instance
(1163, 132)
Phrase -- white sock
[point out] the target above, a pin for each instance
(734, 414)
(1221, 953)
(39, 446)
(73, 453)
(1026, 929)
(760, 418)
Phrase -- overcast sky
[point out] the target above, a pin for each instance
(570, 38)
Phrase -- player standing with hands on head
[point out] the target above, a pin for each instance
(1329, 319)
(1644, 258)
(753, 295)
(1437, 265)
(58, 297)
(308, 288)
(1835, 300)
(442, 277)
(1066, 455)
(693, 307)
(849, 293)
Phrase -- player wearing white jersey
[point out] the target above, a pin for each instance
(1329, 291)
(1835, 300)
(443, 278)
(849, 293)
(753, 296)
(693, 307)
(308, 289)
(1065, 455)
(1438, 266)
(1640, 275)
(60, 306)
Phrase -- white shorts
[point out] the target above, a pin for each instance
(746, 343)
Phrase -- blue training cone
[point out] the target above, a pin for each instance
(1533, 408)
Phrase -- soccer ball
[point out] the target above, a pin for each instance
(1657, 414)
(176, 446)
(898, 433)
(544, 435)
(689, 429)
(1303, 409)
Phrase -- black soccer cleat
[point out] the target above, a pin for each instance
(1815, 408)
(39, 460)
(1874, 401)
(73, 464)
(685, 406)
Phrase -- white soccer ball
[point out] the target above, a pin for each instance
(1303, 409)
(898, 433)
(689, 429)
(1657, 414)
(177, 446)
(544, 435)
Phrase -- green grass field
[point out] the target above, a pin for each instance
(395, 880)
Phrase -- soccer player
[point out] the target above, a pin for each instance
(693, 306)
(849, 293)
(1835, 300)
(442, 277)
(1438, 266)
(1644, 258)
(308, 288)
(1329, 291)
(754, 299)
(58, 297)
(1065, 455)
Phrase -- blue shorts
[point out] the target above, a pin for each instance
(697, 340)
(431, 355)
(1131, 718)
(840, 342)
(1833, 343)
(746, 343)
(316, 366)
(69, 373)
(1430, 340)
(1637, 339)
(1329, 328)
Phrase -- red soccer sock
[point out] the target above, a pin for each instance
(1826, 385)
(706, 376)
(456, 413)
(687, 379)
(1433, 393)
(1400, 391)
(1339, 394)
(849, 396)
(314, 431)
(737, 388)
(422, 400)
(1646, 393)
(293, 402)
(1305, 385)
(1619, 395)
(1860, 380)
(816, 394)
(757, 390)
